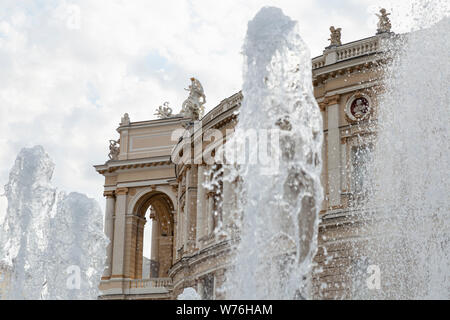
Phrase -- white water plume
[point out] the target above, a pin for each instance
(278, 215)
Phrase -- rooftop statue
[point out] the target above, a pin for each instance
(193, 106)
(335, 36)
(164, 111)
(384, 24)
(125, 120)
(114, 149)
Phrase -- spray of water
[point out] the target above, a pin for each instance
(52, 242)
(408, 237)
(278, 215)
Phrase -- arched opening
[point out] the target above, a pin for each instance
(154, 242)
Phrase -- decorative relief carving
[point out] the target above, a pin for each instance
(358, 107)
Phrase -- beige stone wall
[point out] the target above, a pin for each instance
(148, 139)
(146, 174)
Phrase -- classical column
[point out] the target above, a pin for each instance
(119, 234)
(333, 152)
(109, 230)
(201, 205)
(154, 255)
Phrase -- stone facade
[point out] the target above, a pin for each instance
(188, 249)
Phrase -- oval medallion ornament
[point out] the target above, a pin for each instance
(358, 108)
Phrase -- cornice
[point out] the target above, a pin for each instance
(114, 165)
(153, 123)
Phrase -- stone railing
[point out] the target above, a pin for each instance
(347, 51)
(358, 48)
(318, 62)
(150, 283)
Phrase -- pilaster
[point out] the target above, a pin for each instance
(201, 205)
(333, 151)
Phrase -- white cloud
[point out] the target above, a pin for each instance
(70, 69)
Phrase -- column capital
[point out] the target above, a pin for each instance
(322, 105)
(108, 194)
(332, 100)
(121, 191)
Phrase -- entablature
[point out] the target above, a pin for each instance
(114, 165)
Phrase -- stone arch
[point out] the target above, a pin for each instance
(147, 190)
(162, 207)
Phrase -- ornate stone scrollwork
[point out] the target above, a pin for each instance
(114, 149)
(164, 111)
(335, 37)
(384, 24)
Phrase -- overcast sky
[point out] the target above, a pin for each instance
(70, 69)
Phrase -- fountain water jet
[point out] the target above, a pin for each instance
(278, 215)
(52, 242)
